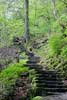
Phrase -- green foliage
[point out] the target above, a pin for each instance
(58, 46)
(41, 18)
(55, 44)
(41, 21)
(58, 54)
(64, 52)
(58, 64)
(9, 75)
(60, 23)
(37, 98)
(32, 77)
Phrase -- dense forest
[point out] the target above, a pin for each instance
(33, 49)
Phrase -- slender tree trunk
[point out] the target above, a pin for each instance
(54, 9)
(26, 13)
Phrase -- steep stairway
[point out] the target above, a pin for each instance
(48, 82)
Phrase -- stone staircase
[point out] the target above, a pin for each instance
(48, 82)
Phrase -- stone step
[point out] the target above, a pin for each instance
(48, 72)
(48, 76)
(34, 58)
(44, 93)
(48, 93)
(51, 85)
(47, 79)
(31, 61)
(33, 66)
(52, 89)
(51, 75)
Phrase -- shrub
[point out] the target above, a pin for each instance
(60, 23)
(64, 52)
(9, 75)
(55, 44)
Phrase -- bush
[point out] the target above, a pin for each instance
(61, 24)
(55, 44)
(64, 52)
(9, 75)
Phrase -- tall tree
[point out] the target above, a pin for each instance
(54, 9)
(26, 16)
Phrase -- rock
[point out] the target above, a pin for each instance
(61, 96)
(8, 55)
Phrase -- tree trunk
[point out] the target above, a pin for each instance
(54, 9)
(26, 12)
